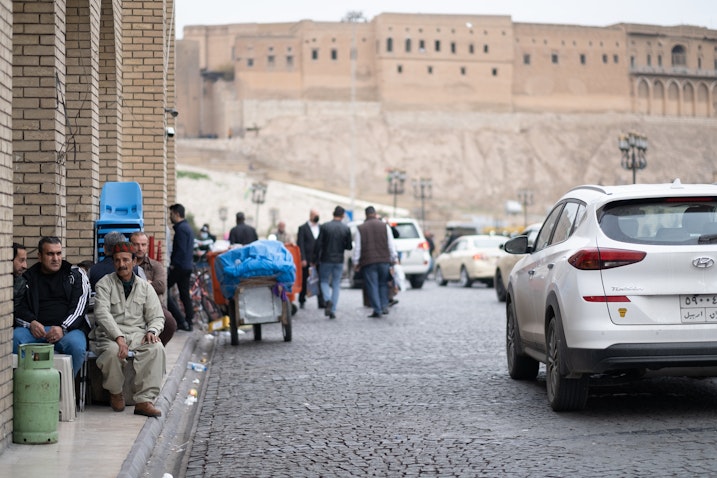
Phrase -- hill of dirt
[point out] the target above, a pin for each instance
(476, 162)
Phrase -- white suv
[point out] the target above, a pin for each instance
(621, 280)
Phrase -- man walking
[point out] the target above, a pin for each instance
(373, 255)
(129, 317)
(180, 268)
(306, 240)
(334, 238)
(242, 233)
(53, 310)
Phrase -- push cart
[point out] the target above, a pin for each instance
(257, 301)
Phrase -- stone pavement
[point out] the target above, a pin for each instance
(100, 442)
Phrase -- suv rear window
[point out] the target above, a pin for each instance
(407, 230)
(669, 221)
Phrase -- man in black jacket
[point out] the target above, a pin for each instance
(54, 307)
(242, 233)
(334, 238)
(181, 264)
(306, 240)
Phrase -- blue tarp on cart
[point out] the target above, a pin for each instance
(260, 258)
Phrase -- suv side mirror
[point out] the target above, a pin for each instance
(517, 245)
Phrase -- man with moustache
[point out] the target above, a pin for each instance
(305, 239)
(129, 317)
(156, 275)
(53, 310)
(19, 266)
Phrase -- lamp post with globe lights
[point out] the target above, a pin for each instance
(634, 148)
(525, 197)
(258, 196)
(396, 180)
(422, 190)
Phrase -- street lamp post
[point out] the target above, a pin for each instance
(422, 190)
(525, 196)
(396, 180)
(353, 17)
(633, 147)
(258, 196)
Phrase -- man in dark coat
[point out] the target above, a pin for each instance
(242, 233)
(180, 268)
(334, 238)
(306, 239)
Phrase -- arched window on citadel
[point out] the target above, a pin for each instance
(679, 57)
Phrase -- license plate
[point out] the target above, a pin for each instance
(698, 309)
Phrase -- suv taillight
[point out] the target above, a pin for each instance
(597, 259)
(423, 245)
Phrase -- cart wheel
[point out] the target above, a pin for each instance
(233, 330)
(257, 331)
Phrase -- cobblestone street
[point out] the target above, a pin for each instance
(424, 392)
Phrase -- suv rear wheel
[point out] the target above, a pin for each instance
(564, 393)
(464, 280)
(500, 291)
(417, 280)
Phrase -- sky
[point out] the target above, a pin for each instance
(572, 12)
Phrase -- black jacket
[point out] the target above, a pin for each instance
(306, 241)
(242, 234)
(334, 238)
(77, 293)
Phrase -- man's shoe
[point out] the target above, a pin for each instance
(332, 315)
(185, 326)
(117, 401)
(301, 305)
(327, 309)
(147, 409)
(384, 312)
(374, 316)
(392, 302)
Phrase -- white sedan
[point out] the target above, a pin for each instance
(469, 259)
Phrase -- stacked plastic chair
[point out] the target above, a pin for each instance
(120, 210)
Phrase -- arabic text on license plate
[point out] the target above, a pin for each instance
(696, 309)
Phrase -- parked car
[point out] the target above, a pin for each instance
(412, 249)
(507, 261)
(620, 281)
(469, 259)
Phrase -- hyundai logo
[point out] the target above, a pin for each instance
(703, 262)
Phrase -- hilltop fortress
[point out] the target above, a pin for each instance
(481, 105)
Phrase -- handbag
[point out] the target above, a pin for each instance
(312, 283)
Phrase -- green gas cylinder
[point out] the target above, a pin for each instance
(36, 395)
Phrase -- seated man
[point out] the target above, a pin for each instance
(129, 317)
(156, 275)
(53, 310)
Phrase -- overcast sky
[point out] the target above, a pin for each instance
(573, 12)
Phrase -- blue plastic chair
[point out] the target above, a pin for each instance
(120, 210)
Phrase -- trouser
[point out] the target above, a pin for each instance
(376, 277)
(74, 343)
(181, 277)
(330, 281)
(149, 364)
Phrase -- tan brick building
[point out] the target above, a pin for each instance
(442, 62)
(84, 93)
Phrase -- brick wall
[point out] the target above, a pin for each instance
(83, 89)
(6, 201)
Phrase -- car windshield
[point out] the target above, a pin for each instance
(669, 221)
(407, 230)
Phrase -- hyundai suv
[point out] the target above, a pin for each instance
(620, 280)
